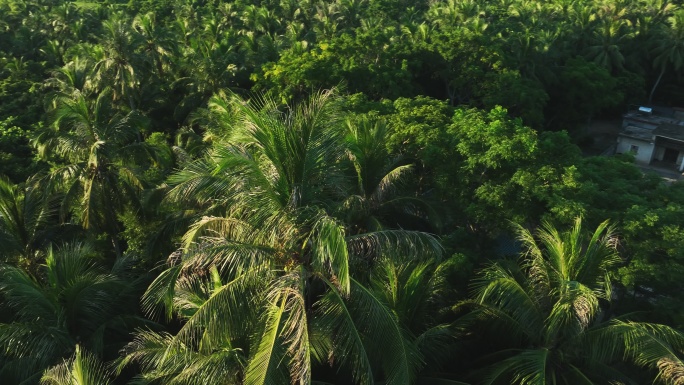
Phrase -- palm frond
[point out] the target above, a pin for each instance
(161, 292)
(265, 363)
(502, 288)
(330, 251)
(385, 336)
(24, 295)
(82, 368)
(334, 321)
(227, 311)
(654, 345)
(401, 243)
(528, 367)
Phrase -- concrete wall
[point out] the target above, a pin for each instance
(644, 151)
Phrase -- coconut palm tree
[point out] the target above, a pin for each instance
(550, 320)
(82, 369)
(76, 300)
(417, 291)
(377, 201)
(607, 42)
(28, 222)
(99, 149)
(211, 346)
(157, 44)
(278, 252)
(669, 47)
(117, 69)
(73, 78)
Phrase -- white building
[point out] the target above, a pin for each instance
(653, 139)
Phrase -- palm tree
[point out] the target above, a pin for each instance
(27, 222)
(377, 200)
(100, 149)
(550, 317)
(73, 78)
(607, 41)
(75, 301)
(207, 349)
(157, 44)
(669, 49)
(417, 291)
(117, 68)
(82, 369)
(277, 252)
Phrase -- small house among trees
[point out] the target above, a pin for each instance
(655, 136)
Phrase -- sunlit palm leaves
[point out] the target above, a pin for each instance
(380, 198)
(549, 313)
(82, 369)
(281, 264)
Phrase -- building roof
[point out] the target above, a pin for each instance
(670, 131)
(640, 133)
(654, 120)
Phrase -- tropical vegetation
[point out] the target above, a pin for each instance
(335, 192)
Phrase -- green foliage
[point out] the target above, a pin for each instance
(653, 235)
(367, 61)
(83, 368)
(583, 89)
(549, 314)
(277, 178)
(75, 300)
(16, 158)
(139, 128)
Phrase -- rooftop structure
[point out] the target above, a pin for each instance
(654, 135)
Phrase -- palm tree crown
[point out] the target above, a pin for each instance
(550, 313)
(271, 279)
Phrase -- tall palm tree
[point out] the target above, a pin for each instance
(607, 43)
(100, 149)
(118, 67)
(278, 252)
(669, 47)
(550, 318)
(157, 44)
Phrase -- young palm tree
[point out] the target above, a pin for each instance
(278, 254)
(379, 199)
(117, 70)
(74, 78)
(82, 369)
(549, 317)
(416, 290)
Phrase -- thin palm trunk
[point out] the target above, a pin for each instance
(662, 72)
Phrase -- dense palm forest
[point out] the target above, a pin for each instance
(335, 192)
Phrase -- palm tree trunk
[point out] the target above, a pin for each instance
(650, 97)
